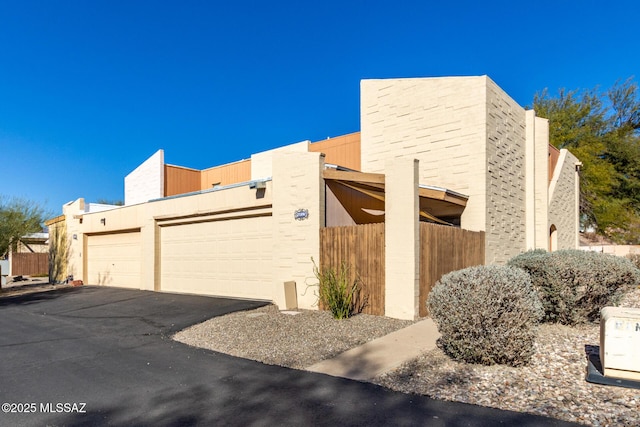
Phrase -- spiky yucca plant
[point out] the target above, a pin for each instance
(336, 291)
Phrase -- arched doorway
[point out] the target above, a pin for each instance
(553, 238)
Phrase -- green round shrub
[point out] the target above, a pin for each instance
(486, 314)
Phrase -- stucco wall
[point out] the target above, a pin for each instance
(542, 183)
(297, 184)
(563, 201)
(505, 176)
(468, 135)
(146, 182)
(402, 239)
(72, 211)
(227, 204)
(439, 121)
(262, 163)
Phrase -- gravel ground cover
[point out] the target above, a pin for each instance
(553, 385)
(295, 341)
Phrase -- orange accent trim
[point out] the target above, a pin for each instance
(342, 150)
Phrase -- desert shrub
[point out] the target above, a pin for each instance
(486, 314)
(558, 297)
(337, 291)
(598, 279)
(574, 285)
(635, 259)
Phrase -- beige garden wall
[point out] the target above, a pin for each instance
(617, 250)
(298, 186)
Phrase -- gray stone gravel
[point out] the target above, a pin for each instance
(553, 385)
(295, 341)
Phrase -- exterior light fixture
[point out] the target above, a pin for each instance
(258, 185)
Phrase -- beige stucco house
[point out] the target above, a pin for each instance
(454, 150)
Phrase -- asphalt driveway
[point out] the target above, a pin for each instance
(103, 356)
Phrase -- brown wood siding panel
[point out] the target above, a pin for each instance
(342, 150)
(178, 180)
(362, 248)
(29, 264)
(231, 173)
(444, 249)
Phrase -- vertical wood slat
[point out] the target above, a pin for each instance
(444, 249)
(29, 264)
(179, 180)
(362, 248)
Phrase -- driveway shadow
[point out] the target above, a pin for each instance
(109, 348)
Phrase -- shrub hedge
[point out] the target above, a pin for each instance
(557, 296)
(486, 314)
(574, 285)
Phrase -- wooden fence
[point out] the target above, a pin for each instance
(29, 264)
(444, 249)
(361, 247)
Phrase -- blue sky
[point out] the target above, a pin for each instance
(90, 89)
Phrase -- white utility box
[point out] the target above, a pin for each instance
(620, 342)
(4, 271)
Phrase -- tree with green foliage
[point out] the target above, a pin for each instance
(602, 129)
(18, 217)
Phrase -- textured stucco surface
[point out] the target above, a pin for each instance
(505, 177)
(146, 182)
(402, 239)
(563, 204)
(468, 135)
(297, 184)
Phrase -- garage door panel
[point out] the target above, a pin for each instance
(114, 260)
(225, 258)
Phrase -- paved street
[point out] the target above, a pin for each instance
(109, 352)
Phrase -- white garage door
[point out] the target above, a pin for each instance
(114, 259)
(225, 258)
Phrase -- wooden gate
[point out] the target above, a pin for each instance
(361, 247)
(442, 250)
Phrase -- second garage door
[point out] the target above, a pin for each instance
(225, 258)
(114, 259)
